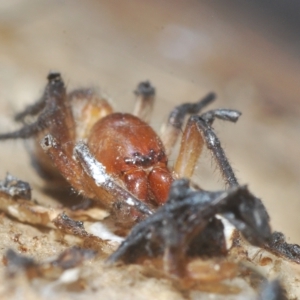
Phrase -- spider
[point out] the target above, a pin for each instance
(117, 158)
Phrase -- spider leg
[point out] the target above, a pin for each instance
(222, 114)
(104, 184)
(88, 107)
(199, 132)
(31, 110)
(173, 127)
(69, 168)
(56, 115)
(89, 177)
(35, 108)
(145, 97)
(31, 129)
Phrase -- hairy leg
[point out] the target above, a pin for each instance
(197, 133)
(145, 97)
(89, 178)
(55, 118)
(31, 110)
(171, 130)
(88, 106)
(36, 108)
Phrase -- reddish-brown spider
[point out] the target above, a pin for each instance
(117, 158)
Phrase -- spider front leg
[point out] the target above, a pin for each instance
(31, 110)
(55, 115)
(69, 168)
(88, 176)
(36, 108)
(199, 132)
(30, 130)
(88, 107)
(104, 183)
(171, 130)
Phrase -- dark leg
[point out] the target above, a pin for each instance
(36, 108)
(69, 168)
(222, 114)
(31, 129)
(31, 110)
(104, 187)
(213, 144)
(199, 132)
(145, 97)
(171, 130)
(88, 107)
(56, 115)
